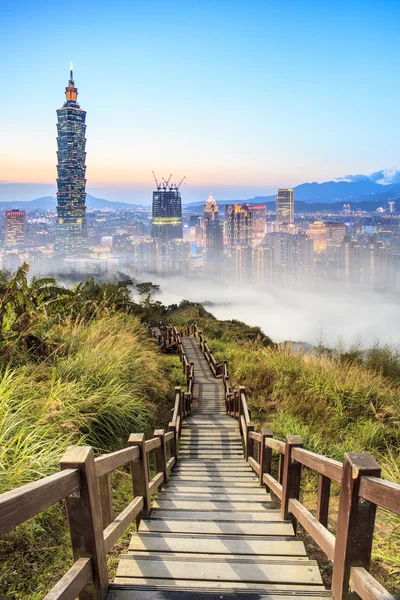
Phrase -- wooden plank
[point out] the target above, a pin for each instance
(163, 589)
(192, 505)
(109, 462)
(276, 445)
(180, 489)
(219, 570)
(215, 483)
(140, 473)
(171, 463)
(322, 464)
(254, 465)
(155, 483)
(207, 556)
(249, 527)
(151, 444)
(273, 485)
(73, 582)
(107, 514)
(221, 545)
(323, 537)
(381, 492)
(323, 497)
(212, 496)
(22, 503)
(121, 523)
(200, 513)
(366, 586)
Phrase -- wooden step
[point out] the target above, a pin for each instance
(125, 588)
(217, 569)
(169, 542)
(249, 527)
(218, 514)
(212, 497)
(212, 489)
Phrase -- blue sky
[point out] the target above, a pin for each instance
(239, 96)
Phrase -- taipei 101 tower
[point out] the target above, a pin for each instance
(71, 233)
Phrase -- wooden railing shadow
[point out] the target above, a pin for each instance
(361, 491)
(84, 483)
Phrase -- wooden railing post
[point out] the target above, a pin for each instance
(355, 525)
(140, 474)
(161, 455)
(265, 458)
(324, 490)
(249, 441)
(85, 522)
(291, 475)
(174, 442)
(105, 499)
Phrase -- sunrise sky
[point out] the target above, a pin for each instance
(239, 96)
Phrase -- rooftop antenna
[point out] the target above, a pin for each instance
(71, 71)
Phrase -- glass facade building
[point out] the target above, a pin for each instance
(167, 215)
(71, 232)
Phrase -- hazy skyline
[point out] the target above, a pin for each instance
(239, 97)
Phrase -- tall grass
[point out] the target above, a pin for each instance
(337, 401)
(102, 381)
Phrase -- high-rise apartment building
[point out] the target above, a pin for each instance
(71, 231)
(262, 265)
(258, 219)
(238, 225)
(318, 232)
(167, 213)
(14, 225)
(293, 259)
(284, 209)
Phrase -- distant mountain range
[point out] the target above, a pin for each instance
(48, 203)
(309, 197)
(315, 197)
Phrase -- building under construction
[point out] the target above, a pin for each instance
(167, 211)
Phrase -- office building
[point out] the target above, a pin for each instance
(318, 232)
(211, 211)
(284, 209)
(238, 225)
(71, 231)
(14, 226)
(167, 212)
(391, 206)
(258, 220)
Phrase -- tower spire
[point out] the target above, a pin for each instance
(71, 92)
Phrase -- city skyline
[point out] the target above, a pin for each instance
(234, 105)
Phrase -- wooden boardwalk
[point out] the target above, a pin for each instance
(213, 530)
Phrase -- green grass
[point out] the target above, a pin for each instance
(103, 380)
(335, 401)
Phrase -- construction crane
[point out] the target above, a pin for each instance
(175, 186)
(166, 182)
(155, 179)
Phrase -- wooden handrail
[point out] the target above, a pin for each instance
(23, 503)
(352, 543)
(109, 462)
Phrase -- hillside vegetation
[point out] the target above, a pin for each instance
(336, 400)
(77, 367)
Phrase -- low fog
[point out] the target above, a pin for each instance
(297, 316)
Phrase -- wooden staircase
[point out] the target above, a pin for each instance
(213, 529)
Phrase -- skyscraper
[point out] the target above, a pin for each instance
(259, 216)
(238, 225)
(211, 212)
(71, 232)
(167, 212)
(284, 209)
(14, 227)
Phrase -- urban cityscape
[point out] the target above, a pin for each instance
(251, 244)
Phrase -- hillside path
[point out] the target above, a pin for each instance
(213, 531)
